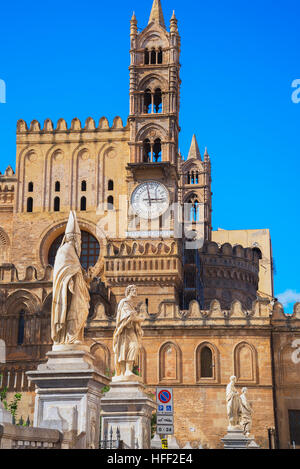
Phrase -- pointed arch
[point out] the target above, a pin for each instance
(245, 363)
(169, 363)
(207, 364)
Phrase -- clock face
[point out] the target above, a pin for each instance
(150, 199)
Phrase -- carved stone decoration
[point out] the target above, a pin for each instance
(246, 409)
(127, 336)
(70, 305)
(233, 405)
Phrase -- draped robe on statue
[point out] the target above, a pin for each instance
(70, 305)
(233, 404)
(127, 335)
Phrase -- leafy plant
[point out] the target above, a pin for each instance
(11, 406)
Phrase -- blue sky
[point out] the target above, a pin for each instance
(239, 59)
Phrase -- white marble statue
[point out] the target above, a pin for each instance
(233, 404)
(246, 409)
(70, 304)
(127, 336)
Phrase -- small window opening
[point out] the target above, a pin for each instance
(83, 186)
(56, 204)
(110, 185)
(110, 203)
(30, 187)
(57, 186)
(29, 204)
(83, 204)
(157, 101)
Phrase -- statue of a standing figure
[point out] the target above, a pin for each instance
(246, 409)
(71, 298)
(233, 403)
(128, 334)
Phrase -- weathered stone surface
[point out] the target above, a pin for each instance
(126, 406)
(68, 393)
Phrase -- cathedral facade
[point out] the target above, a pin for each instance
(145, 213)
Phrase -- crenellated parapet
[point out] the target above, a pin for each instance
(36, 131)
(9, 275)
(280, 319)
(261, 314)
(229, 272)
(143, 261)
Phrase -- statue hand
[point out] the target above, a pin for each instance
(71, 286)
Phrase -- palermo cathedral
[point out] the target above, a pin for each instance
(145, 213)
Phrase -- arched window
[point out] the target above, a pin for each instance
(29, 204)
(207, 367)
(57, 186)
(147, 102)
(110, 203)
(110, 185)
(147, 58)
(90, 250)
(56, 204)
(21, 328)
(147, 151)
(169, 363)
(83, 186)
(206, 363)
(245, 366)
(160, 56)
(194, 209)
(157, 101)
(153, 56)
(30, 187)
(83, 204)
(157, 150)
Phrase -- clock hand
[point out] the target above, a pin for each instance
(149, 195)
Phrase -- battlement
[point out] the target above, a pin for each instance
(237, 251)
(76, 126)
(10, 274)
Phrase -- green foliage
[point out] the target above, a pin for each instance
(109, 375)
(153, 424)
(11, 406)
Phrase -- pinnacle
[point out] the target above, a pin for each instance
(156, 14)
(194, 149)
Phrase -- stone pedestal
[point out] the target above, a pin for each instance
(126, 406)
(68, 393)
(236, 439)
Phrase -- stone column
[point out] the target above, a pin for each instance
(128, 408)
(68, 393)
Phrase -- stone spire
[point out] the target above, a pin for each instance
(194, 149)
(206, 155)
(156, 14)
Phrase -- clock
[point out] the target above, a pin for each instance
(150, 199)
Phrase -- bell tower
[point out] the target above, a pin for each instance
(154, 90)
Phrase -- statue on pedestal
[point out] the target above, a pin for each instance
(71, 298)
(128, 334)
(233, 404)
(246, 409)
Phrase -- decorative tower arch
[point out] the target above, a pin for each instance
(154, 86)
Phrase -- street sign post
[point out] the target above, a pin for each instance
(165, 410)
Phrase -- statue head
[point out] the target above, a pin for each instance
(131, 291)
(233, 379)
(244, 390)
